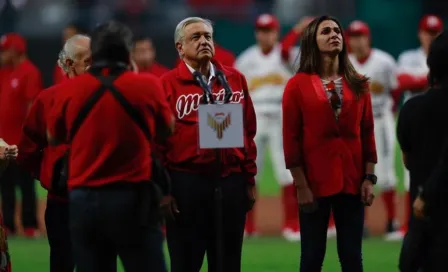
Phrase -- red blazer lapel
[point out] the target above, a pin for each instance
(318, 87)
(321, 96)
(347, 99)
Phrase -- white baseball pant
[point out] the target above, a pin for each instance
(269, 135)
(385, 148)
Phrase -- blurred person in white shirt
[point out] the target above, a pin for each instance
(381, 68)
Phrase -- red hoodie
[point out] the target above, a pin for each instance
(181, 151)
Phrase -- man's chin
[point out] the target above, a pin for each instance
(204, 56)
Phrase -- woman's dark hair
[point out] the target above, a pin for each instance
(310, 57)
(437, 61)
(111, 42)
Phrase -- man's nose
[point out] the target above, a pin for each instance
(203, 40)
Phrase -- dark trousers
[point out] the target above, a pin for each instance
(193, 232)
(56, 221)
(105, 223)
(348, 213)
(12, 177)
(424, 247)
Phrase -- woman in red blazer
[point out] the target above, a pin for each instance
(329, 145)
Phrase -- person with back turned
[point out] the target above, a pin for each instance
(423, 137)
(110, 117)
(329, 144)
(39, 158)
(194, 172)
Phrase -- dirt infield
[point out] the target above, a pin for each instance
(269, 216)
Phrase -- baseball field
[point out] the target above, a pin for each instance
(267, 253)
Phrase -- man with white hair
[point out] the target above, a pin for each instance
(193, 171)
(39, 158)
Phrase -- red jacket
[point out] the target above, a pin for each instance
(332, 153)
(182, 151)
(222, 55)
(109, 146)
(35, 154)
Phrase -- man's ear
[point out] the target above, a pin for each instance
(69, 62)
(180, 48)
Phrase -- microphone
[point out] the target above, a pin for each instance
(208, 98)
(228, 91)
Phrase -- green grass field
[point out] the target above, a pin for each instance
(261, 254)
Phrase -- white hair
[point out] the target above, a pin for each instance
(70, 50)
(180, 28)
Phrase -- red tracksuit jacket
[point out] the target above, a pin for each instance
(182, 150)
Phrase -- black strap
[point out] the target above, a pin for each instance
(159, 173)
(85, 110)
(107, 85)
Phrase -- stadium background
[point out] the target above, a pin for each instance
(394, 28)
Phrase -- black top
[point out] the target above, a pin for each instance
(422, 131)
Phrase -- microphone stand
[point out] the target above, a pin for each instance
(218, 196)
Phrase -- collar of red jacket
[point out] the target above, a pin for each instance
(184, 73)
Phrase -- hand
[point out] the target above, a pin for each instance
(303, 23)
(376, 87)
(367, 195)
(251, 195)
(306, 200)
(304, 196)
(11, 152)
(419, 207)
(169, 207)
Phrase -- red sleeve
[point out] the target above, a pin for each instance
(367, 131)
(288, 43)
(162, 108)
(410, 82)
(250, 130)
(33, 139)
(56, 119)
(33, 85)
(292, 125)
(161, 146)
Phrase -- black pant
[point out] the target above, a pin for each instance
(424, 247)
(56, 221)
(193, 232)
(13, 176)
(348, 213)
(106, 222)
